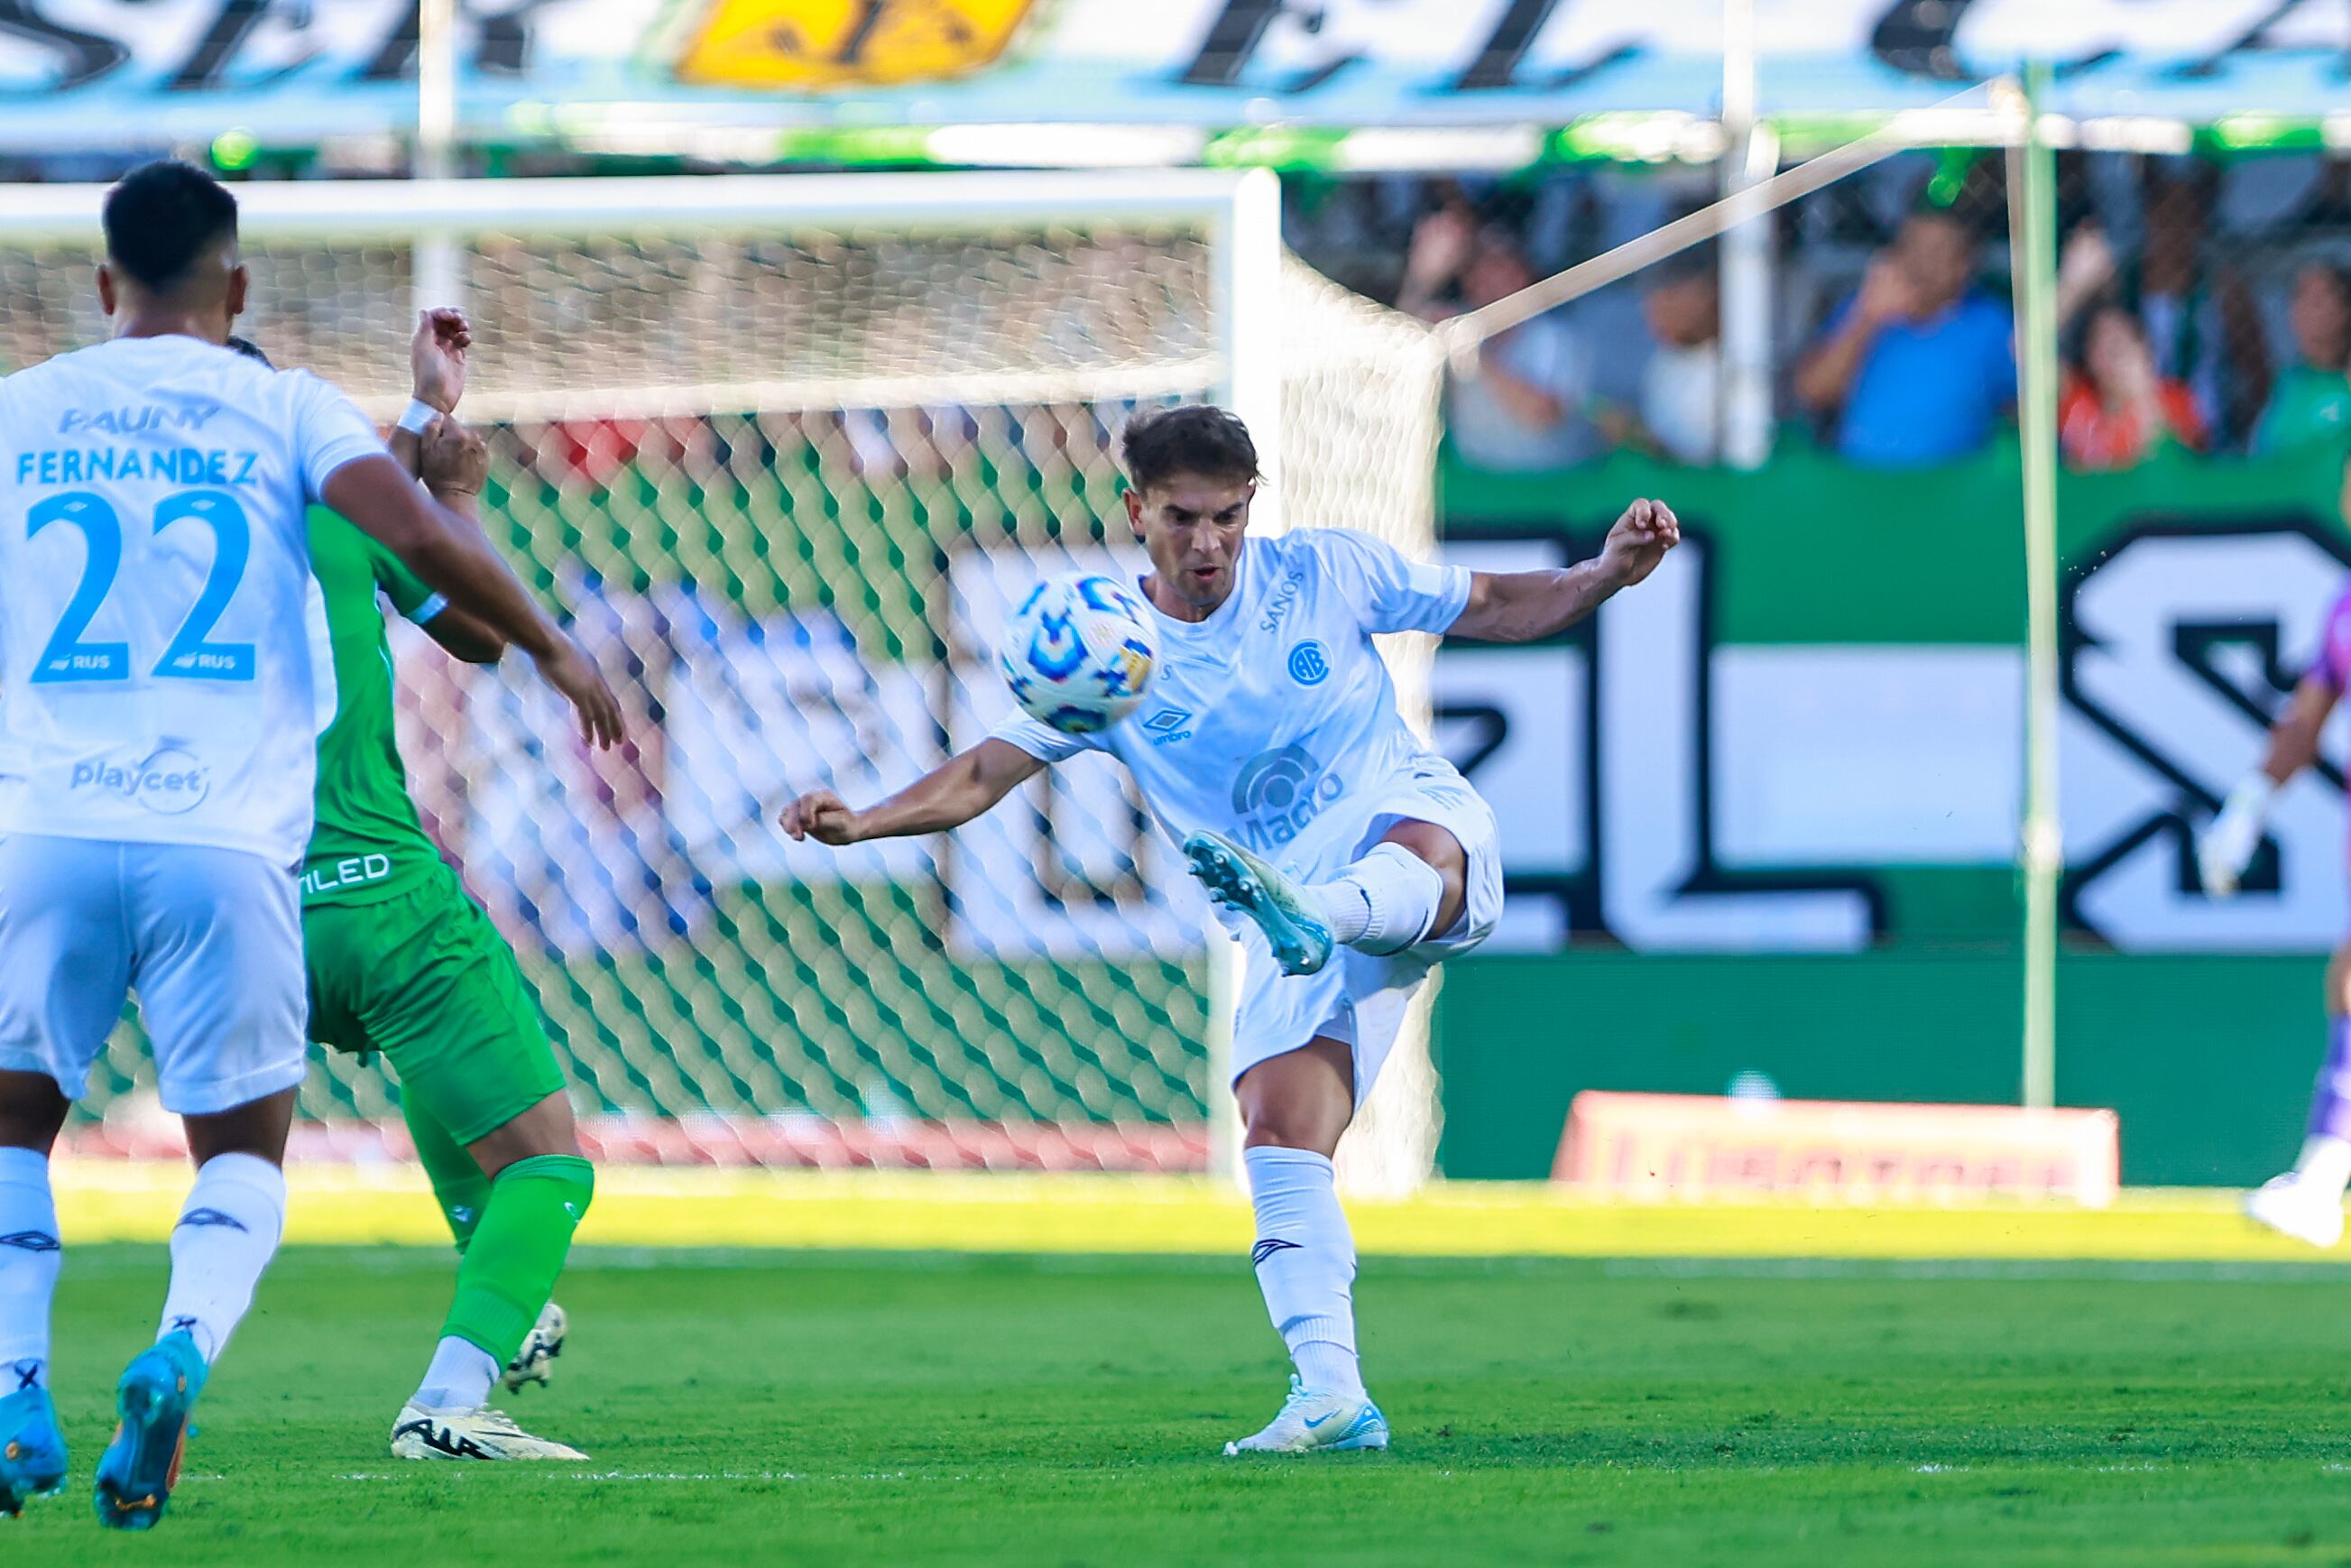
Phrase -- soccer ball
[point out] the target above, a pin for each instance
(1079, 653)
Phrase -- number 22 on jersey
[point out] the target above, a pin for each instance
(191, 656)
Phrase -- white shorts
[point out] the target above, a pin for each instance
(209, 939)
(1363, 998)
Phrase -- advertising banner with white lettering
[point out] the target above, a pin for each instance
(1804, 733)
(86, 72)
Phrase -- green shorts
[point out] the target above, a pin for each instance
(425, 978)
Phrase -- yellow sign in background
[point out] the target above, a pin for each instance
(816, 44)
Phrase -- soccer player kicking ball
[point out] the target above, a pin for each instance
(403, 962)
(2306, 1202)
(157, 748)
(1351, 858)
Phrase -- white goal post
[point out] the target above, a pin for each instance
(809, 421)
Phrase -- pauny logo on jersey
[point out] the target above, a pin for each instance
(1278, 792)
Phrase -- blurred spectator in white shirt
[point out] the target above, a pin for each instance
(1681, 388)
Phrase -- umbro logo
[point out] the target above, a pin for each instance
(201, 1218)
(1268, 1248)
(30, 1241)
(1167, 725)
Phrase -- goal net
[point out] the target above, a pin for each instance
(786, 450)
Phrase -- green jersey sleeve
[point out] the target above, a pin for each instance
(408, 594)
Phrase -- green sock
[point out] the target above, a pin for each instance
(458, 1184)
(518, 1251)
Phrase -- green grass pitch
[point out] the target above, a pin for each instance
(826, 1409)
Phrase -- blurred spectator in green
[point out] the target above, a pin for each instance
(2312, 402)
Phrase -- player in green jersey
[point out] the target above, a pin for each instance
(403, 962)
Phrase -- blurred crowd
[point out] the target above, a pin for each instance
(2202, 306)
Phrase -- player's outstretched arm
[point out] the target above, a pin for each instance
(946, 797)
(2226, 847)
(452, 557)
(1525, 606)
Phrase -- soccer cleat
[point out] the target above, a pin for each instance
(2292, 1206)
(32, 1450)
(1317, 1423)
(140, 1468)
(535, 1362)
(1238, 880)
(479, 1433)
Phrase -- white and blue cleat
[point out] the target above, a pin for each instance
(1312, 1422)
(1237, 879)
(535, 1362)
(158, 1392)
(32, 1450)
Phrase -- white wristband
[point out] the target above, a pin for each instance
(420, 414)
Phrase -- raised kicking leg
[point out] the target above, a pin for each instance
(2306, 1202)
(1294, 1109)
(1411, 885)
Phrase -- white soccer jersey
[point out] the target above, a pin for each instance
(156, 659)
(1274, 722)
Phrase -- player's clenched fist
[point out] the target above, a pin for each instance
(820, 815)
(1639, 541)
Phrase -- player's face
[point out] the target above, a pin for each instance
(1191, 527)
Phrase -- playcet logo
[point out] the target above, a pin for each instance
(169, 782)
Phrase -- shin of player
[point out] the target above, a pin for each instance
(1350, 858)
(2306, 1202)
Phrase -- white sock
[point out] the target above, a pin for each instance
(29, 1259)
(227, 1233)
(1305, 1259)
(459, 1377)
(1383, 902)
(2325, 1160)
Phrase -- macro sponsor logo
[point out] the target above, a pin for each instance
(169, 782)
(1278, 792)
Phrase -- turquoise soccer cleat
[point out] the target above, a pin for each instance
(140, 1468)
(1237, 879)
(32, 1450)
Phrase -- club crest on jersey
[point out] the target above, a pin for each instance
(1309, 665)
(168, 782)
(1277, 793)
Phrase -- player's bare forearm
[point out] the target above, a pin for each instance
(446, 550)
(948, 796)
(1826, 373)
(1527, 606)
(2293, 738)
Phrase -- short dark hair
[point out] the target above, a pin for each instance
(162, 218)
(1195, 438)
